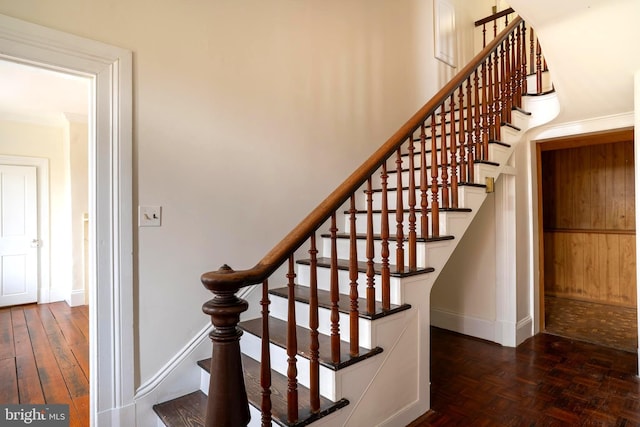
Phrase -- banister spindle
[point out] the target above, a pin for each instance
(538, 67)
(384, 230)
(485, 113)
(227, 402)
(517, 95)
(424, 199)
(496, 106)
(412, 207)
(477, 120)
(523, 71)
(461, 134)
(265, 359)
(399, 228)
(470, 130)
(354, 329)
(484, 35)
(334, 294)
(532, 52)
(371, 290)
(453, 154)
(435, 203)
(512, 74)
(292, 347)
(444, 154)
(507, 82)
(490, 102)
(314, 344)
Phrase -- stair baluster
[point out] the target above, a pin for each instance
(354, 329)
(292, 348)
(477, 120)
(485, 112)
(371, 291)
(265, 357)
(470, 130)
(413, 257)
(454, 153)
(461, 135)
(435, 202)
(335, 295)
(384, 229)
(424, 185)
(399, 228)
(314, 345)
(496, 116)
(444, 161)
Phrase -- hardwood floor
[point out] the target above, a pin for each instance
(44, 357)
(546, 381)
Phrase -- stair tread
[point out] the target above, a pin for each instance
(302, 294)
(343, 264)
(278, 336)
(279, 386)
(393, 238)
(186, 411)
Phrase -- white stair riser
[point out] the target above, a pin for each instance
(279, 310)
(361, 223)
(343, 248)
(324, 282)
(251, 346)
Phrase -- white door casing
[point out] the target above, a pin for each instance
(19, 240)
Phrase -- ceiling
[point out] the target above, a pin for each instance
(34, 94)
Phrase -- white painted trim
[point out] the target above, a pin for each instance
(42, 167)
(463, 324)
(111, 314)
(615, 121)
(76, 298)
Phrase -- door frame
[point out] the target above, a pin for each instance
(110, 202)
(42, 176)
(559, 143)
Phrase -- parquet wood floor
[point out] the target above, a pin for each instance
(546, 381)
(44, 357)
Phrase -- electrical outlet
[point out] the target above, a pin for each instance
(149, 216)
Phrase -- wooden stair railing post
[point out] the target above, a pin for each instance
(314, 344)
(265, 359)
(292, 347)
(538, 67)
(354, 328)
(444, 154)
(413, 257)
(469, 142)
(424, 198)
(334, 294)
(435, 202)
(371, 290)
(384, 230)
(227, 403)
(461, 135)
(386, 304)
(453, 152)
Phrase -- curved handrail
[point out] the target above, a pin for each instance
(227, 280)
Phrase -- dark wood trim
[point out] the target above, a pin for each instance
(494, 17)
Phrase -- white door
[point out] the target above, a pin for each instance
(18, 235)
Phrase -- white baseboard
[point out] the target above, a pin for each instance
(467, 325)
(77, 298)
(179, 376)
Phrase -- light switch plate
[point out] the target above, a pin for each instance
(149, 216)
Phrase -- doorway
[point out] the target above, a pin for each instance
(109, 68)
(587, 238)
(44, 129)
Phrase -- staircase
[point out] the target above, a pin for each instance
(343, 338)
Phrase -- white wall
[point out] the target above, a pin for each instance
(77, 131)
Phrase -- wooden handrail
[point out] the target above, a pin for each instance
(494, 17)
(227, 280)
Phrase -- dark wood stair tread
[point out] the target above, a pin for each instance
(392, 237)
(279, 395)
(302, 294)
(278, 336)
(343, 264)
(187, 411)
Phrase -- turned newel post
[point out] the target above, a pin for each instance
(227, 403)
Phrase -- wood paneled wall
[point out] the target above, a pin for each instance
(589, 222)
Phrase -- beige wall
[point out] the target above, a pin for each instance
(246, 114)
